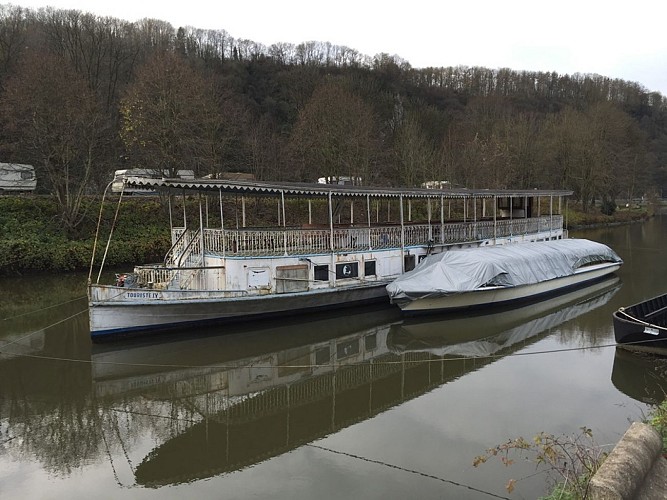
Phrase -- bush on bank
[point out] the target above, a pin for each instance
(31, 239)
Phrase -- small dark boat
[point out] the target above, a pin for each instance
(643, 326)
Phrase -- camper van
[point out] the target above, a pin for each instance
(120, 176)
(17, 178)
(342, 180)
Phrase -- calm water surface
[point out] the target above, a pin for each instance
(360, 404)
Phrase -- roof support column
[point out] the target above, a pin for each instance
(551, 215)
(368, 213)
(402, 233)
(185, 218)
(430, 229)
(202, 240)
(282, 202)
(222, 223)
(442, 219)
(332, 269)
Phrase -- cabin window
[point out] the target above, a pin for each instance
(347, 348)
(371, 342)
(321, 273)
(369, 268)
(347, 270)
(408, 263)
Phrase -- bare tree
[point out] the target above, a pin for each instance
(171, 117)
(53, 119)
(334, 135)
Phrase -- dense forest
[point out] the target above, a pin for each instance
(83, 95)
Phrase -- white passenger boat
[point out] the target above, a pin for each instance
(328, 246)
(498, 275)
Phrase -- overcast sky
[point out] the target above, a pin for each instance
(617, 39)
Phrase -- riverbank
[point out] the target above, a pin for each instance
(32, 241)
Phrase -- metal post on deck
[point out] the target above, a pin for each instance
(430, 229)
(442, 219)
(242, 211)
(282, 201)
(551, 215)
(310, 212)
(495, 219)
(368, 210)
(171, 221)
(222, 223)
(332, 274)
(402, 234)
(185, 218)
(474, 216)
(511, 200)
(202, 241)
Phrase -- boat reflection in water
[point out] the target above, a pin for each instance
(641, 376)
(255, 395)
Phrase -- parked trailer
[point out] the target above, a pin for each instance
(17, 178)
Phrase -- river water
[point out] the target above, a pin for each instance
(347, 405)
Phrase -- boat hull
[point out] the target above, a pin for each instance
(643, 326)
(499, 296)
(135, 311)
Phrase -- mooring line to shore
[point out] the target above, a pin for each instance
(16, 341)
(43, 309)
(411, 471)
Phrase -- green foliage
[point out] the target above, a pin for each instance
(658, 420)
(575, 218)
(32, 241)
(608, 206)
(571, 461)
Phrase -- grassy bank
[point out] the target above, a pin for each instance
(32, 241)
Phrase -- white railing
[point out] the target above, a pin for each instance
(298, 241)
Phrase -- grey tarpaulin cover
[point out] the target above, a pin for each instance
(457, 271)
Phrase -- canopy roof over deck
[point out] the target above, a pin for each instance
(262, 188)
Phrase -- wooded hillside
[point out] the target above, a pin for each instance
(82, 96)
